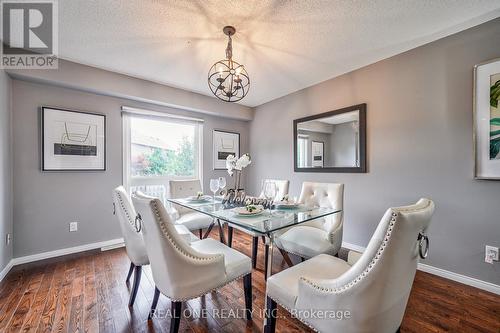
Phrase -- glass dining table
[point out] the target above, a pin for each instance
(265, 224)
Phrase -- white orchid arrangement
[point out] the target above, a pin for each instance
(232, 163)
(235, 166)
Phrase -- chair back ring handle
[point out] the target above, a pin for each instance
(138, 223)
(423, 251)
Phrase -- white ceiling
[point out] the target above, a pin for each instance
(284, 45)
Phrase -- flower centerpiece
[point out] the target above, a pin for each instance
(235, 166)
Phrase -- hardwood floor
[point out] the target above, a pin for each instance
(86, 292)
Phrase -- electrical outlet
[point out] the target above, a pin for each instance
(73, 226)
(8, 239)
(491, 254)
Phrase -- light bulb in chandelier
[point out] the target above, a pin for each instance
(227, 79)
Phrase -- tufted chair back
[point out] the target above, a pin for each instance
(134, 243)
(329, 195)
(179, 271)
(376, 288)
(281, 186)
(182, 189)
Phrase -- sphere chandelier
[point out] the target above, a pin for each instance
(227, 79)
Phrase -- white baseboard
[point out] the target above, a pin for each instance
(470, 281)
(113, 246)
(69, 250)
(7, 269)
(104, 246)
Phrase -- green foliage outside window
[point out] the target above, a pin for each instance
(168, 162)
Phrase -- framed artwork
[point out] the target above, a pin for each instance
(224, 144)
(318, 151)
(487, 120)
(73, 140)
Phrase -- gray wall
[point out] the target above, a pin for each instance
(102, 82)
(5, 170)
(343, 145)
(419, 133)
(45, 202)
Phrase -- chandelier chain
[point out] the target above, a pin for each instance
(229, 48)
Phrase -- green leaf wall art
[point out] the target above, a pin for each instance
(495, 94)
(494, 147)
(494, 122)
(495, 138)
(487, 120)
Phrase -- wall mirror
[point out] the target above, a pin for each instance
(333, 141)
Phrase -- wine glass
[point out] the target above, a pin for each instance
(222, 182)
(214, 186)
(270, 193)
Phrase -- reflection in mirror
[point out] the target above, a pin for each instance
(331, 140)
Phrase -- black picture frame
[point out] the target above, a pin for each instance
(362, 141)
(213, 146)
(43, 110)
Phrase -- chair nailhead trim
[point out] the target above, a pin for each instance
(204, 293)
(156, 211)
(154, 206)
(127, 213)
(374, 261)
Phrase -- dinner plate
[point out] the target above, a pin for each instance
(286, 205)
(200, 199)
(242, 211)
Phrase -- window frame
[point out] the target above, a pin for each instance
(305, 140)
(130, 181)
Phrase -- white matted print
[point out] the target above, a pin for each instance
(224, 144)
(487, 120)
(73, 140)
(318, 151)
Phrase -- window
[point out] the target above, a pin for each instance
(158, 149)
(302, 151)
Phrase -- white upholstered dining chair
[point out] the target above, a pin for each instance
(369, 296)
(185, 216)
(183, 271)
(323, 235)
(134, 243)
(282, 187)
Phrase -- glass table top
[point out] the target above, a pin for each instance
(264, 223)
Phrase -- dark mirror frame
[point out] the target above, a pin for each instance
(362, 141)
